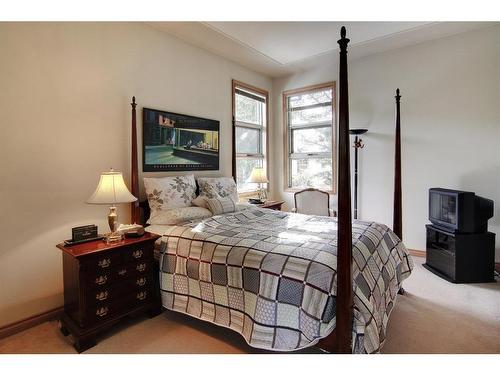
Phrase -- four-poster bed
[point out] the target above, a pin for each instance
(397, 225)
(340, 339)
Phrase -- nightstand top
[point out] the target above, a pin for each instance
(101, 245)
(270, 203)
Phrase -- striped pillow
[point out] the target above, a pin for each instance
(221, 205)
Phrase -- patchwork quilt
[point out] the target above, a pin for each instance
(271, 276)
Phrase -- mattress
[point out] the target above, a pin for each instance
(271, 276)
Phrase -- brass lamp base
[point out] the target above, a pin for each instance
(112, 218)
(113, 221)
(262, 193)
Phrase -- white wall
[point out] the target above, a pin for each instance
(450, 125)
(65, 90)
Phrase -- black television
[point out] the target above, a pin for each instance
(459, 211)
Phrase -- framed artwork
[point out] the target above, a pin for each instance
(175, 142)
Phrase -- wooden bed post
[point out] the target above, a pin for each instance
(344, 231)
(397, 226)
(134, 180)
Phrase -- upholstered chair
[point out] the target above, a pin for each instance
(313, 202)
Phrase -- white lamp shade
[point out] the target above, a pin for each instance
(258, 175)
(111, 190)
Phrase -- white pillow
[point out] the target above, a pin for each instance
(220, 206)
(218, 187)
(200, 201)
(169, 192)
(179, 215)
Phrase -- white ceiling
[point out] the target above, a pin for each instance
(290, 42)
(280, 48)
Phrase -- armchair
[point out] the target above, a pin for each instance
(313, 202)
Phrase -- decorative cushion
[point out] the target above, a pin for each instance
(218, 187)
(179, 215)
(200, 201)
(220, 206)
(169, 192)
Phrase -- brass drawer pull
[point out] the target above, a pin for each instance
(141, 296)
(141, 267)
(101, 280)
(141, 281)
(104, 263)
(103, 311)
(122, 272)
(102, 296)
(137, 254)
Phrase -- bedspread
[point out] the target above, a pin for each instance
(271, 276)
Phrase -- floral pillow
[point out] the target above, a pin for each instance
(180, 215)
(218, 187)
(165, 193)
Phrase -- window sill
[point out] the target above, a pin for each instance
(296, 190)
(246, 194)
(250, 194)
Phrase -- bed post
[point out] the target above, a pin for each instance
(344, 235)
(397, 226)
(135, 216)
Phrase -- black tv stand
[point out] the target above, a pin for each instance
(460, 257)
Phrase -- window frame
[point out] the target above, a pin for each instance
(288, 132)
(264, 133)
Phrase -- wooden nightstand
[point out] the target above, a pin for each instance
(273, 205)
(105, 282)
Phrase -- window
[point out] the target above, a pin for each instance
(250, 121)
(309, 115)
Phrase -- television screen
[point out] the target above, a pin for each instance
(443, 207)
(175, 142)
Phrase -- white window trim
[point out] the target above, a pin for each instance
(287, 131)
(264, 143)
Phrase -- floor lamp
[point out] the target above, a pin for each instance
(358, 143)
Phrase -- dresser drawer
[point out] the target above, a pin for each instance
(140, 281)
(140, 268)
(102, 262)
(100, 280)
(105, 310)
(138, 253)
(106, 294)
(140, 296)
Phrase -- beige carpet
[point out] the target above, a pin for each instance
(434, 316)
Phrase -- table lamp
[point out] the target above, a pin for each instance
(111, 190)
(258, 176)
